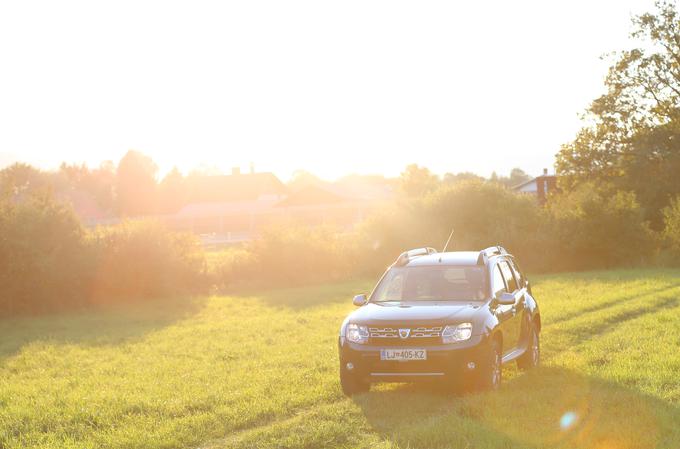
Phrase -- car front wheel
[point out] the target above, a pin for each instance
(351, 385)
(492, 372)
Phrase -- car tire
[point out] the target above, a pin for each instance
(491, 373)
(532, 356)
(351, 385)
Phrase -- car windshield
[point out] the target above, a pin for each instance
(428, 283)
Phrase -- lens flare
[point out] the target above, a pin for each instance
(568, 420)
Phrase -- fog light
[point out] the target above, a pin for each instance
(350, 366)
(471, 365)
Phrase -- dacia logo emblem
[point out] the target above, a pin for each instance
(404, 333)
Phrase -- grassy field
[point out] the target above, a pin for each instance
(261, 371)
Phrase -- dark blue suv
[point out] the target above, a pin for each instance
(453, 316)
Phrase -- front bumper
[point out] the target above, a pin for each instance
(452, 361)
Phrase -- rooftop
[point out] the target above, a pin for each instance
(234, 187)
(451, 258)
(310, 196)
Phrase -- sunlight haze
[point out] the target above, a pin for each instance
(329, 87)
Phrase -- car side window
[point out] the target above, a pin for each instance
(521, 280)
(509, 277)
(498, 283)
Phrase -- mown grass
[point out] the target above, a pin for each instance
(260, 370)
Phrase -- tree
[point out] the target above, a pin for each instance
(136, 184)
(416, 181)
(20, 179)
(671, 232)
(650, 169)
(172, 192)
(634, 135)
(303, 179)
(517, 176)
(450, 178)
(98, 183)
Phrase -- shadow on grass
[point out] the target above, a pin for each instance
(613, 276)
(600, 306)
(96, 325)
(586, 331)
(548, 407)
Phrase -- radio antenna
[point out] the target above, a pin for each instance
(448, 241)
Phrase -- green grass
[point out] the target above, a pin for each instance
(261, 371)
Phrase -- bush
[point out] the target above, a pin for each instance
(142, 259)
(229, 267)
(287, 255)
(383, 236)
(591, 228)
(585, 229)
(671, 233)
(42, 255)
(49, 262)
(485, 214)
(481, 215)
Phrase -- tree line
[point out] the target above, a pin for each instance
(132, 187)
(129, 189)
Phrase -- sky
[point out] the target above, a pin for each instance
(329, 87)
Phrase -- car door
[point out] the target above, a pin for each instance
(513, 324)
(504, 313)
(525, 297)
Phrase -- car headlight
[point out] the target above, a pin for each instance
(356, 333)
(457, 332)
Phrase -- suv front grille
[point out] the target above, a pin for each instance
(416, 335)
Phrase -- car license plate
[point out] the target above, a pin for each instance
(403, 354)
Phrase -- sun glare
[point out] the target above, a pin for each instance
(366, 88)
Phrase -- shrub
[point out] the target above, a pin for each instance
(585, 229)
(287, 255)
(42, 255)
(671, 232)
(230, 266)
(383, 236)
(595, 228)
(481, 215)
(485, 214)
(142, 259)
(49, 262)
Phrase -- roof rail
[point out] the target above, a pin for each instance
(490, 252)
(411, 254)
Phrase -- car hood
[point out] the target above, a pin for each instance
(439, 312)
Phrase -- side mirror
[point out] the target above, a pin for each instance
(360, 300)
(505, 298)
